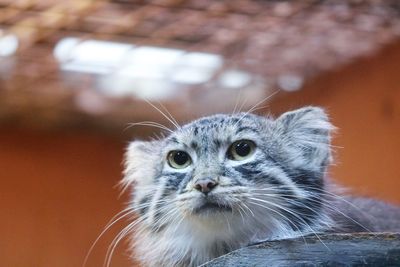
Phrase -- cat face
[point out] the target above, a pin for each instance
(232, 169)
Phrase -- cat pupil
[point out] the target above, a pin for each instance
(242, 149)
(181, 157)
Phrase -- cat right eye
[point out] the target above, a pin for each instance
(178, 159)
(241, 150)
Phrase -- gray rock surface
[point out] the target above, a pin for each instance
(363, 249)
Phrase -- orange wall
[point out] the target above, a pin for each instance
(56, 196)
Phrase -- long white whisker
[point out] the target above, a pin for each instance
(316, 199)
(113, 221)
(114, 243)
(118, 238)
(163, 114)
(262, 101)
(294, 214)
(170, 115)
(237, 101)
(116, 218)
(240, 212)
(280, 214)
(242, 105)
(227, 221)
(340, 198)
(244, 205)
(257, 104)
(166, 217)
(150, 124)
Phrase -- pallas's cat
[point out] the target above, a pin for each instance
(225, 181)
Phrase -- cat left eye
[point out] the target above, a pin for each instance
(241, 150)
(178, 159)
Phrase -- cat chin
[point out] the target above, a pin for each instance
(200, 238)
(213, 221)
(213, 205)
(210, 208)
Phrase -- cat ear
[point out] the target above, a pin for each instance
(307, 133)
(140, 163)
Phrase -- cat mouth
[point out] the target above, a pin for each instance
(212, 207)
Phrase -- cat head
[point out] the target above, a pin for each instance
(237, 167)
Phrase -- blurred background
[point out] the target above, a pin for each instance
(74, 74)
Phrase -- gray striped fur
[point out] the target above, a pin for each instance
(279, 192)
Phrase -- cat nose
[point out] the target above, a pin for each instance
(205, 185)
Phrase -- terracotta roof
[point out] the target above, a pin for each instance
(282, 43)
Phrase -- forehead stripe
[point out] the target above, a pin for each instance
(246, 128)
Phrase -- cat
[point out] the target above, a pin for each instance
(226, 181)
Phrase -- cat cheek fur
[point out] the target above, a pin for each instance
(141, 160)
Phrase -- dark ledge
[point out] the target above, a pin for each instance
(363, 249)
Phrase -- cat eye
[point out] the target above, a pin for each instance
(178, 159)
(241, 150)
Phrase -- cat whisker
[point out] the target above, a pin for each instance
(340, 198)
(259, 108)
(283, 216)
(262, 101)
(177, 225)
(227, 221)
(166, 217)
(171, 120)
(242, 105)
(240, 203)
(294, 214)
(237, 101)
(240, 212)
(317, 200)
(124, 232)
(116, 240)
(150, 124)
(329, 194)
(248, 209)
(115, 219)
(169, 114)
(256, 105)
